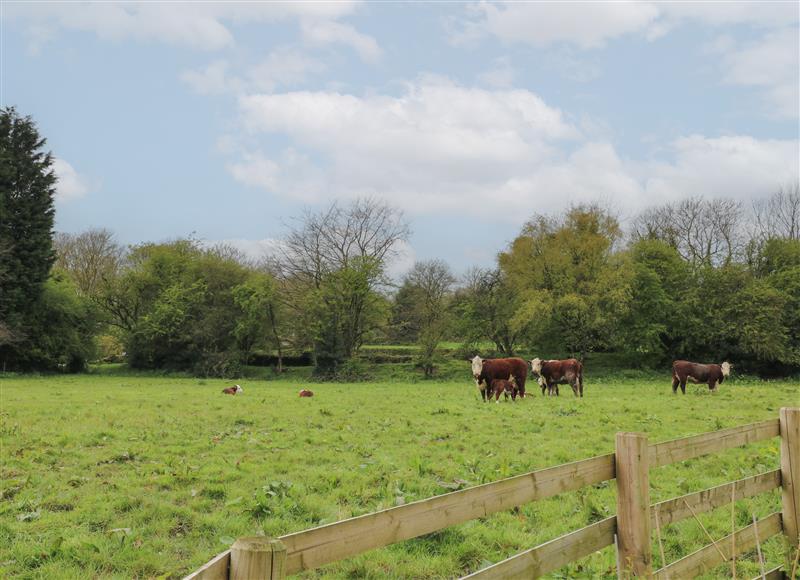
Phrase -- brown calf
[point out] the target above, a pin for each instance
(504, 387)
(234, 390)
(712, 375)
(306, 393)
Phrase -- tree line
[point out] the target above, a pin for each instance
(699, 279)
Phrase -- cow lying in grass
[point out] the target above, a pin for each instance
(712, 375)
(504, 387)
(306, 393)
(484, 371)
(559, 372)
(234, 390)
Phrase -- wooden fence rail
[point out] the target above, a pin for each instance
(630, 465)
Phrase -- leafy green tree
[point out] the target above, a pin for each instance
(27, 189)
(569, 286)
(486, 306)
(428, 285)
(259, 321)
(60, 330)
(176, 305)
(653, 325)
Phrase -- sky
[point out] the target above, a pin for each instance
(224, 120)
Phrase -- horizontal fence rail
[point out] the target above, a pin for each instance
(315, 547)
(552, 555)
(690, 447)
(708, 557)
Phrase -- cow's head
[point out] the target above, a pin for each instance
(536, 366)
(239, 389)
(477, 367)
(726, 369)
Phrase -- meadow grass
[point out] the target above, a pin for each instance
(120, 476)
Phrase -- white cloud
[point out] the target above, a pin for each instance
(283, 67)
(255, 250)
(590, 25)
(773, 63)
(740, 167)
(203, 26)
(70, 185)
(330, 32)
(587, 25)
(441, 147)
(500, 76)
(214, 79)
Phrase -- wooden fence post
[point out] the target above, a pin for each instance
(633, 504)
(258, 558)
(790, 473)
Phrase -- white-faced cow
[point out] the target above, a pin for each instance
(234, 390)
(559, 372)
(484, 371)
(712, 375)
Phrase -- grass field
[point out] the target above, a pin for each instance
(139, 476)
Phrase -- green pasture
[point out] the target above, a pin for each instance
(125, 476)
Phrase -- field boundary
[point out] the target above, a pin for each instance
(255, 558)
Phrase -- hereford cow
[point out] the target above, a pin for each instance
(484, 371)
(306, 393)
(503, 387)
(712, 375)
(559, 372)
(234, 390)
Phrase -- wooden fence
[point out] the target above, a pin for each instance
(264, 558)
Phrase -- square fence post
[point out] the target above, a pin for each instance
(633, 505)
(790, 473)
(258, 558)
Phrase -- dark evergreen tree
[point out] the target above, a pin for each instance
(27, 188)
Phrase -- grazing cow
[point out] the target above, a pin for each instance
(306, 393)
(712, 375)
(501, 386)
(234, 390)
(559, 372)
(484, 371)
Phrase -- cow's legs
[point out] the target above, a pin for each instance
(683, 386)
(712, 385)
(574, 385)
(675, 382)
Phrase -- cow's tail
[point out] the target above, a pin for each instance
(580, 377)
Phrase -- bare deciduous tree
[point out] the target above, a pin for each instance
(704, 231)
(778, 216)
(328, 240)
(89, 258)
(430, 283)
(334, 260)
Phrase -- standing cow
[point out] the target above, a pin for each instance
(712, 375)
(559, 372)
(484, 371)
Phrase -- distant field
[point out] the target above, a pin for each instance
(138, 476)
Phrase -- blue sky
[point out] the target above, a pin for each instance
(224, 120)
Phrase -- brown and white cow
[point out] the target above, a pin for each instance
(712, 375)
(234, 390)
(306, 393)
(506, 388)
(559, 372)
(484, 371)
